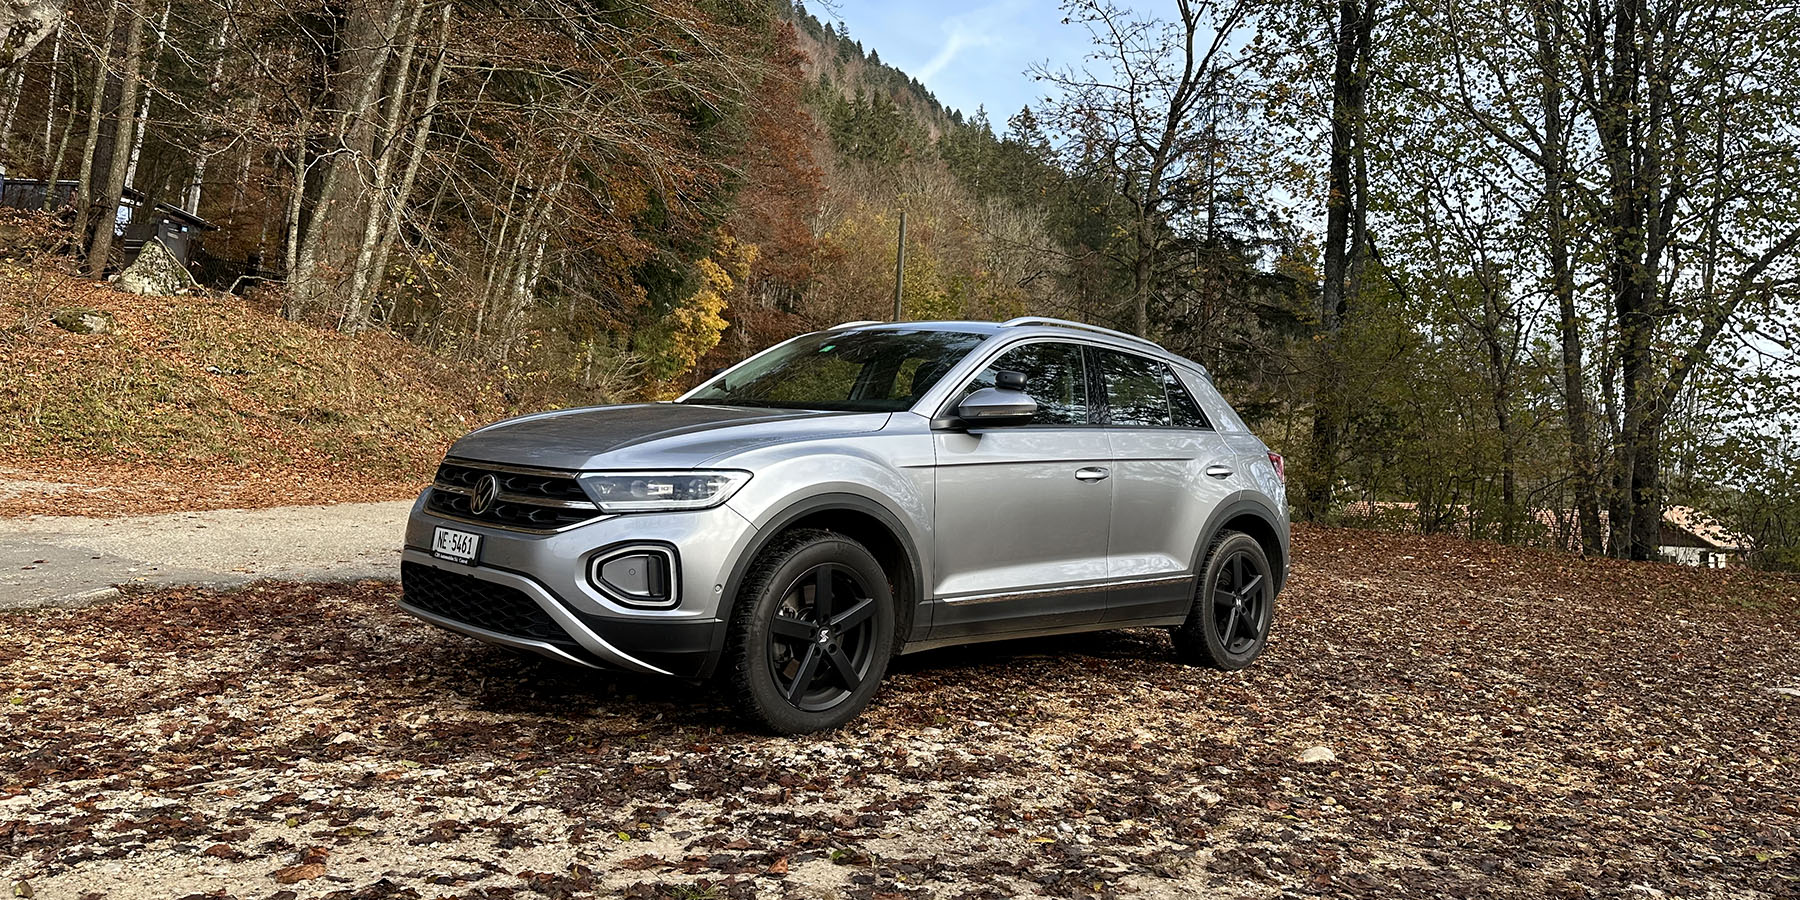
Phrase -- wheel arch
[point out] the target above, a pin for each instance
(861, 518)
(1249, 514)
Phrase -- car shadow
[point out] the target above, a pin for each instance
(1136, 644)
(501, 681)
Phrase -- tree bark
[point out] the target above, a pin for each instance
(1553, 160)
(355, 313)
(198, 184)
(14, 89)
(84, 185)
(50, 104)
(1345, 218)
(56, 162)
(421, 135)
(290, 308)
(101, 249)
(328, 245)
(143, 110)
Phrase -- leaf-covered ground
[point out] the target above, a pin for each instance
(1504, 722)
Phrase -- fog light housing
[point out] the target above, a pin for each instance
(638, 575)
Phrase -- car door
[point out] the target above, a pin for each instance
(1171, 469)
(1022, 510)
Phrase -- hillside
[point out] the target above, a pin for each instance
(208, 401)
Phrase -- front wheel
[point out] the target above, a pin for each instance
(1228, 626)
(811, 633)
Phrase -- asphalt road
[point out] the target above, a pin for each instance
(74, 561)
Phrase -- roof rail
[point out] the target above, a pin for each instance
(856, 324)
(1069, 323)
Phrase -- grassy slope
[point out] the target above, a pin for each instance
(219, 402)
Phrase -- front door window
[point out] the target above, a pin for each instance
(1054, 376)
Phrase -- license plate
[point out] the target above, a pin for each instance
(456, 546)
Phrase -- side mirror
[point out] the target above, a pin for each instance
(997, 406)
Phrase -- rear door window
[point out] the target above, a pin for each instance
(1145, 393)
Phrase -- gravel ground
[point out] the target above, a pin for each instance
(1499, 723)
(72, 560)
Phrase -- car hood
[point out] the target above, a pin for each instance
(648, 435)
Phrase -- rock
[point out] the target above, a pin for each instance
(155, 271)
(344, 737)
(1317, 755)
(82, 320)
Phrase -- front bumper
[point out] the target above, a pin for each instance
(531, 591)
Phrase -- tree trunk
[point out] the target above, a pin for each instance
(296, 199)
(50, 104)
(420, 136)
(14, 89)
(101, 249)
(1646, 490)
(355, 313)
(328, 245)
(143, 111)
(84, 182)
(1143, 271)
(212, 83)
(56, 163)
(1345, 213)
(1554, 160)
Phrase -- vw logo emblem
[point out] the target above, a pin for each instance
(487, 490)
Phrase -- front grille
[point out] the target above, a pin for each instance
(483, 604)
(530, 501)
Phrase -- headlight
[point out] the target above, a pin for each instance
(619, 492)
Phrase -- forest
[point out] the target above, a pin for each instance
(1523, 271)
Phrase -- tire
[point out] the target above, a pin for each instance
(777, 635)
(1234, 605)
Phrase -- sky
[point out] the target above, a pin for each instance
(970, 53)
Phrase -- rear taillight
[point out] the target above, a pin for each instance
(1280, 466)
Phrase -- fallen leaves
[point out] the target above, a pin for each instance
(211, 402)
(1560, 728)
(303, 872)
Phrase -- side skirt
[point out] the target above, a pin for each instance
(935, 643)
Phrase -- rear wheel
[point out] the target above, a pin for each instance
(1228, 626)
(811, 633)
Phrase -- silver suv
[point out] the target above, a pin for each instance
(799, 519)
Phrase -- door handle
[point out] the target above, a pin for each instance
(1093, 473)
(1219, 471)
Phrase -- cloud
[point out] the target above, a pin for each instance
(958, 40)
(980, 27)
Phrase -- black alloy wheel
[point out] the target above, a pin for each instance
(1228, 626)
(822, 639)
(812, 630)
(1238, 603)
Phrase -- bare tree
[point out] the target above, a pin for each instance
(84, 183)
(328, 245)
(100, 250)
(1140, 111)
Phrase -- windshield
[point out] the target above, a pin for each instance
(854, 371)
